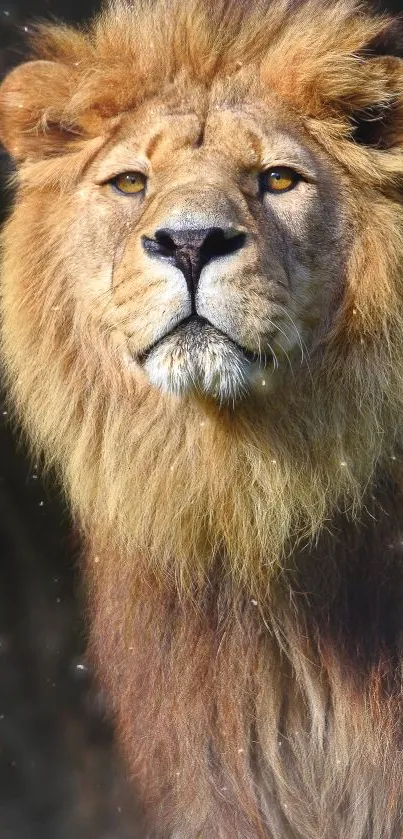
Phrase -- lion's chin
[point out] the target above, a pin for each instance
(202, 361)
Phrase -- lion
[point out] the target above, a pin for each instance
(202, 332)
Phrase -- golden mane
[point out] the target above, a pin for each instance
(312, 52)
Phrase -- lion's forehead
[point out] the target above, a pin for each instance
(243, 135)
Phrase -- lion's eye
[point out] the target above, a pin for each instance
(279, 179)
(129, 183)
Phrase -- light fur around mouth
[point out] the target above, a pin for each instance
(200, 358)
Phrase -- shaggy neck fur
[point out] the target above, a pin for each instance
(276, 719)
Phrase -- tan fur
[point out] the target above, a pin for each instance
(244, 555)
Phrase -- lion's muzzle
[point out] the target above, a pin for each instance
(190, 249)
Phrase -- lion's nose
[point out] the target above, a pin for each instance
(190, 250)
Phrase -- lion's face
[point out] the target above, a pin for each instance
(202, 284)
(208, 244)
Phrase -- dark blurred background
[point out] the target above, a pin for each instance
(59, 775)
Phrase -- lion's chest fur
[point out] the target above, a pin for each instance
(248, 720)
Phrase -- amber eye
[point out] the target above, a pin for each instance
(129, 183)
(279, 179)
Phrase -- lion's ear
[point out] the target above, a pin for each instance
(378, 119)
(33, 99)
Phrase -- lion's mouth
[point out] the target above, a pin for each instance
(196, 357)
(199, 328)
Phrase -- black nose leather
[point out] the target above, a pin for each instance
(191, 250)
